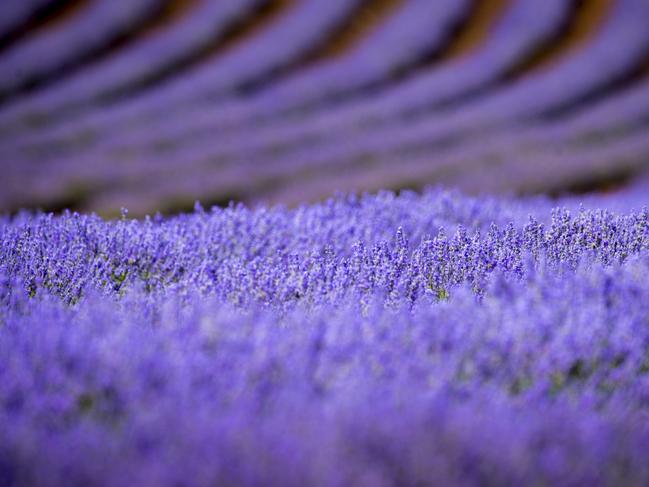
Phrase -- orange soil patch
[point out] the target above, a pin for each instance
(486, 14)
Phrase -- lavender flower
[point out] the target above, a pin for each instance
(379, 340)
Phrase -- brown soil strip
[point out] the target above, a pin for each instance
(370, 15)
(249, 27)
(171, 12)
(486, 14)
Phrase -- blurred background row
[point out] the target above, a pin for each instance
(154, 104)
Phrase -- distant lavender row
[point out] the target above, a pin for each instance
(143, 61)
(488, 62)
(414, 32)
(371, 341)
(17, 13)
(575, 77)
(507, 46)
(503, 165)
(299, 30)
(600, 141)
(569, 145)
(624, 39)
(56, 49)
(297, 126)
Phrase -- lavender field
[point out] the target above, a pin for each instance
(324, 242)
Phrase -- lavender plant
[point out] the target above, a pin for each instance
(376, 340)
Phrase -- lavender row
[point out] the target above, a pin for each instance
(602, 140)
(491, 60)
(17, 13)
(416, 31)
(136, 64)
(599, 142)
(505, 47)
(623, 35)
(56, 49)
(624, 38)
(79, 164)
(500, 166)
(559, 140)
(247, 256)
(476, 168)
(300, 30)
(411, 34)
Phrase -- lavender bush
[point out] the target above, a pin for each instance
(426, 339)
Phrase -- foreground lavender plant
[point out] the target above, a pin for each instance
(382, 340)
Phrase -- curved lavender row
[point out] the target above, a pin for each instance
(327, 346)
(138, 63)
(624, 108)
(485, 166)
(624, 38)
(619, 121)
(622, 112)
(304, 175)
(376, 142)
(619, 113)
(16, 13)
(622, 43)
(296, 33)
(525, 27)
(563, 168)
(410, 34)
(93, 28)
(600, 141)
(478, 167)
(506, 47)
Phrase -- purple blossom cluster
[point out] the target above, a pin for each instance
(408, 339)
